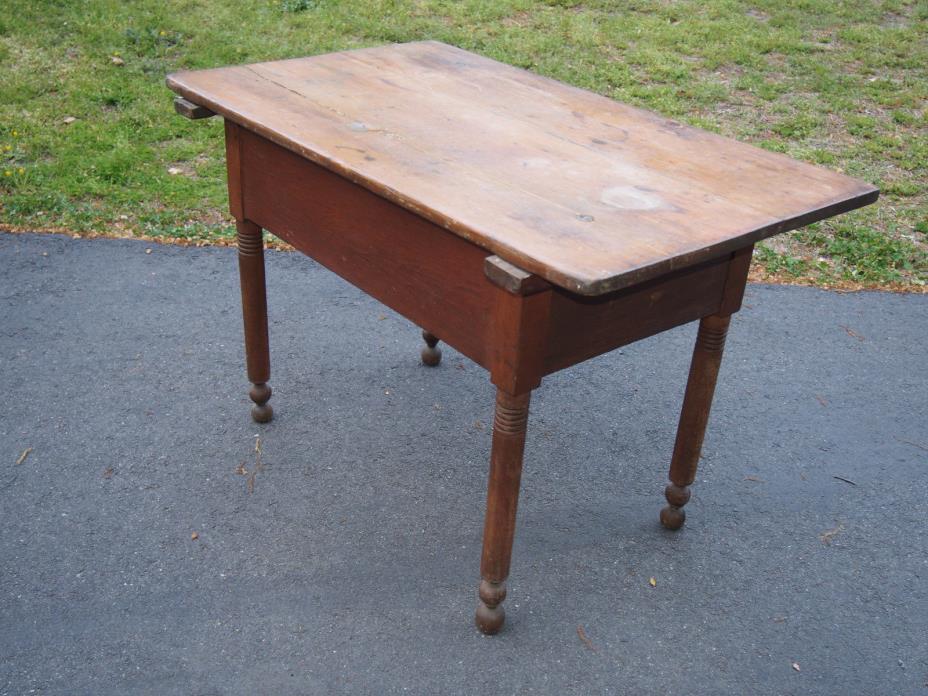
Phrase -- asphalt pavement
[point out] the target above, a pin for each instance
(146, 547)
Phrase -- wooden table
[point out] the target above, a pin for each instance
(528, 224)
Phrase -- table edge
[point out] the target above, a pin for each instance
(589, 286)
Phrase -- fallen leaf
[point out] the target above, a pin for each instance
(851, 333)
(830, 534)
(652, 582)
(583, 637)
(796, 667)
(241, 470)
(68, 120)
(108, 472)
(754, 478)
(194, 536)
(23, 456)
(478, 424)
(259, 466)
(821, 399)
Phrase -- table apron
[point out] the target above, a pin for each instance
(583, 327)
(424, 272)
(435, 278)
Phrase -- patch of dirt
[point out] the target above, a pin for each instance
(759, 15)
(519, 19)
(892, 20)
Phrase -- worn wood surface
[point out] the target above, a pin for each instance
(512, 278)
(585, 192)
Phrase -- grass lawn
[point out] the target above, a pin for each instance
(89, 141)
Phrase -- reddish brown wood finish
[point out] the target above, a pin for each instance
(430, 276)
(529, 224)
(254, 312)
(700, 387)
(583, 327)
(520, 334)
(234, 169)
(509, 425)
(735, 281)
(431, 354)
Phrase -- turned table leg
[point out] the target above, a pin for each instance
(499, 527)
(431, 354)
(700, 387)
(254, 313)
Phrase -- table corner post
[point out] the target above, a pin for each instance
(700, 390)
(250, 242)
(520, 327)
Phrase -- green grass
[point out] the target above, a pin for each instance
(844, 85)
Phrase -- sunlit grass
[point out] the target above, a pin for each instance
(88, 137)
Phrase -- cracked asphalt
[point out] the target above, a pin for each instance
(147, 548)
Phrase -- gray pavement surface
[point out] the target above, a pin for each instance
(349, 563)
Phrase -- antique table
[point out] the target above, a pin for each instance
(528, 224)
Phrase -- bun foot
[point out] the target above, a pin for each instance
(673, 516)
(489, 621)
(490, 613)
(261, 412)
(431, 354)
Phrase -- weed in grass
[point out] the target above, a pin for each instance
(864, 254)
(296, 5)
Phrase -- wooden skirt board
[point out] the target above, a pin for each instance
(528, 224)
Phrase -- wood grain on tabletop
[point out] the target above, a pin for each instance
(588, 193)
